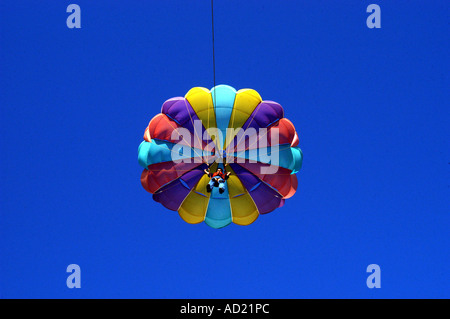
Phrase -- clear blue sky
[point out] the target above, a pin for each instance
(370, 105)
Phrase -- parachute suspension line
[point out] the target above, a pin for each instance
(257, 139)
(195, 133)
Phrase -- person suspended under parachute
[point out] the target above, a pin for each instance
(217, 179)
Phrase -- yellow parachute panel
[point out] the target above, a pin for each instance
(194, 207)
(245, 103)
(201, 101)
(243, 209)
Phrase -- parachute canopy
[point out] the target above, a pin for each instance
(234, 130)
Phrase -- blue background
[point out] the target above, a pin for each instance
(370, 105)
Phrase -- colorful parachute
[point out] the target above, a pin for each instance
(235, 130)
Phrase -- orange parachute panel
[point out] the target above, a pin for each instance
(283, 181)
(160, 174)
(286, 135)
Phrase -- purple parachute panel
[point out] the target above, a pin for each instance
(266, 199)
